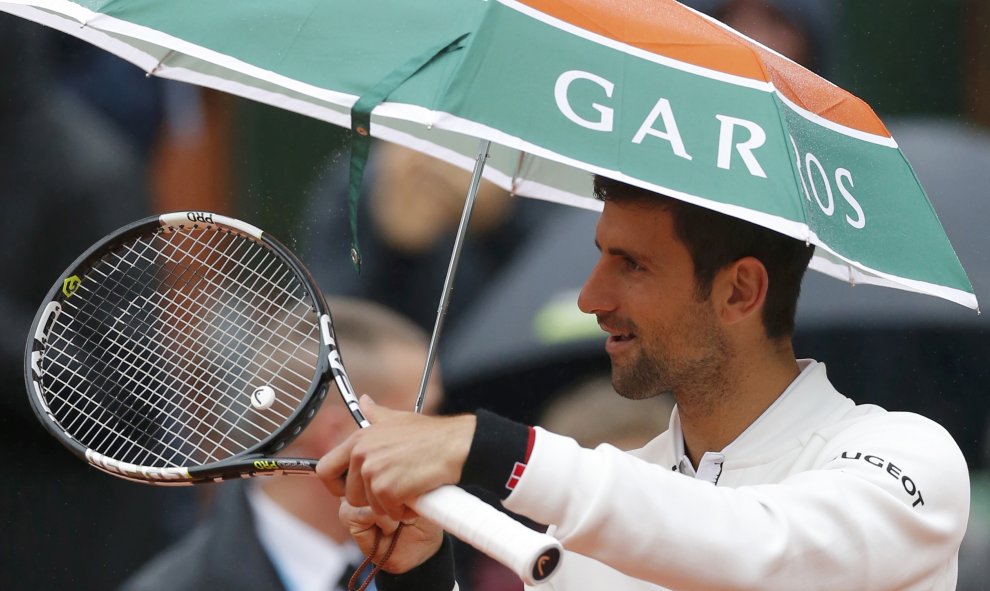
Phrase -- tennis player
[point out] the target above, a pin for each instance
(767, 477)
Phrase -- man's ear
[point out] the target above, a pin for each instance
(741, 290)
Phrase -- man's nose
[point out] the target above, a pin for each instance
(594, 298)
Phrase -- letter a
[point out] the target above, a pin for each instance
(672, 135)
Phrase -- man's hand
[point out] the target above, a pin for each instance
(399, 458)
(420, 538)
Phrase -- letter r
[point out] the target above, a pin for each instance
(757, 137)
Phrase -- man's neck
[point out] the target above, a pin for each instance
(713, 415)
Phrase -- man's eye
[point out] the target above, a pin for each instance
(632, 265)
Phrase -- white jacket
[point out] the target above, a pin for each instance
(818, 493)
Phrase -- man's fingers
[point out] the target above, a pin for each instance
(332, 467)
(359, 519)
(354, 490)
(388, 464)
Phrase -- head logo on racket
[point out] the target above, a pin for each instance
(70, 285)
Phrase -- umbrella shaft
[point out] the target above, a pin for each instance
(448, 284)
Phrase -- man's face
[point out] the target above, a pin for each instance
(643, 292)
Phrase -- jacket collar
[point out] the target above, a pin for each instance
(789, 422)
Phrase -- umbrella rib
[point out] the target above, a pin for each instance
(160, 64)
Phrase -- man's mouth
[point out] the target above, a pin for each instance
(616, 343)
(618, 337)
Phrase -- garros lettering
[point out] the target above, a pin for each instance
(660, 122)
(816, 182)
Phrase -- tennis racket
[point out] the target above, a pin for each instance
(191, 348)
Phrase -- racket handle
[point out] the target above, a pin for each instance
(532, 555)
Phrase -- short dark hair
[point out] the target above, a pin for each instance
(716, 240)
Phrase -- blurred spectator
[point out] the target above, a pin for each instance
(799, 29)
(592, 414)
(283, 533)
(68, 179)
(98, 77)
(177, 131)
(407, 219)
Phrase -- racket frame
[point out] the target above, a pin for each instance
(257, 460)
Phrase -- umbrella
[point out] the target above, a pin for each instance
(644, 91)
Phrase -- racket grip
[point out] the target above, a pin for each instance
(532, 555)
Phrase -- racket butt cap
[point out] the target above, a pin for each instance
(545, 565)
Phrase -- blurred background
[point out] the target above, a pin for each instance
(88, 143)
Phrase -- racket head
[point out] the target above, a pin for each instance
(181, 348)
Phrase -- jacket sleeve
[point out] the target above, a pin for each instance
(881, 505)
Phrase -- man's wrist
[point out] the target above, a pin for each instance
(498, 455)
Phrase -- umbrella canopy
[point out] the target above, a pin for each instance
(645, 91)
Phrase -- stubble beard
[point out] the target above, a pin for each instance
(697, 380)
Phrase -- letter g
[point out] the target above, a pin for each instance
(564, 81)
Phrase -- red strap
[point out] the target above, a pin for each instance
(520, 467)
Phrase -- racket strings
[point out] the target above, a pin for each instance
(136, 415)
(92, 403)
(222, 313)
(129, 421)
(226, 336)
(260, 330)
(263, 330)
(282, 308)
(150, 353)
